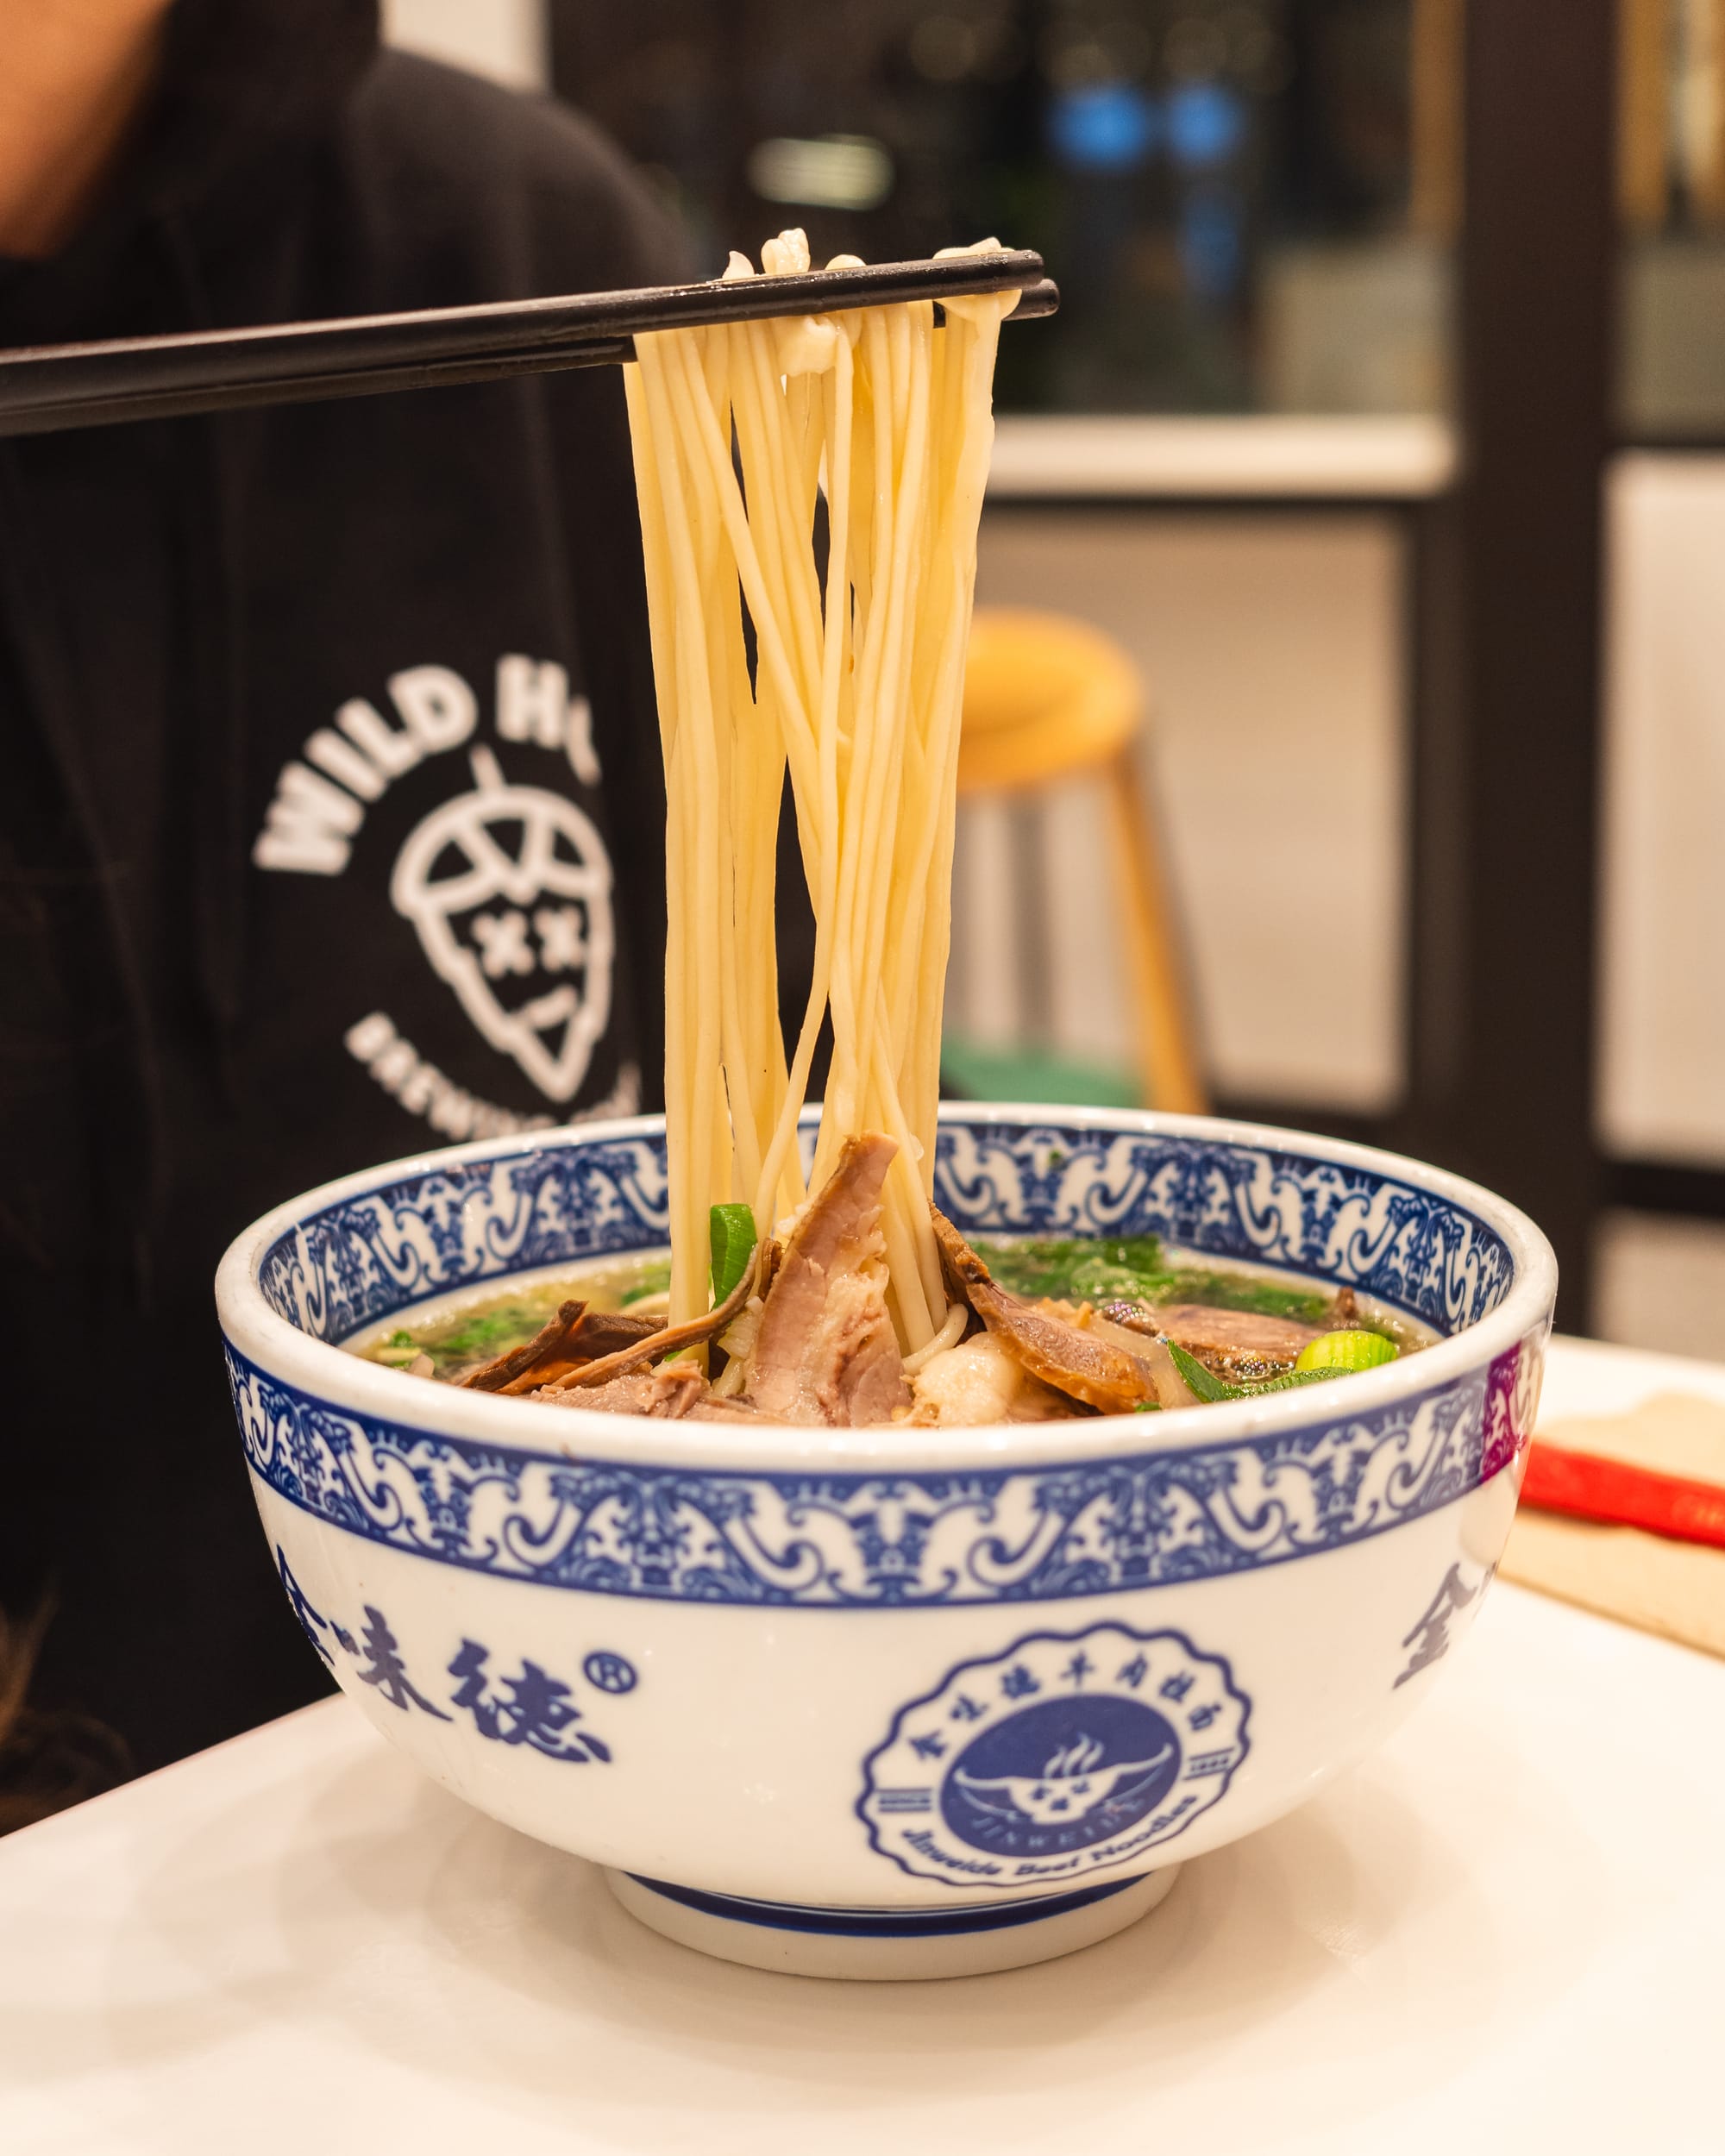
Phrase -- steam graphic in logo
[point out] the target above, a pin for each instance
(1065, 1774)
(1066, 1753)
(509, 887)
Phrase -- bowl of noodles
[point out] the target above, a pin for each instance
(888, 1539)
(916, 1697)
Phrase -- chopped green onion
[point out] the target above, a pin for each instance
(1353, 1350)
(733, 1244)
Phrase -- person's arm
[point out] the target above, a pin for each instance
(74, 76)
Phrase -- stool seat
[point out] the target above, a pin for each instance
(1045, 697)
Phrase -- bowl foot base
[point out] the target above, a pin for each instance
(889, 1945)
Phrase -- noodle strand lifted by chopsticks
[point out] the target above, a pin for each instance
(856, 691)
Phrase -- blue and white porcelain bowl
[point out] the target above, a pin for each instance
(896, 1702)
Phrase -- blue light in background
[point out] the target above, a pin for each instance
(1107, 126)
(1211, 243)
(1206, 124)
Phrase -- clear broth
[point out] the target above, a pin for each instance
(460, 1333)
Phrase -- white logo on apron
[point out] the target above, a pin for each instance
(509, 887)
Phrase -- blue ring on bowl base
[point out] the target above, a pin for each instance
(841, 1923)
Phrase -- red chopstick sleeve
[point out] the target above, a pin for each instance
(1589, 1487)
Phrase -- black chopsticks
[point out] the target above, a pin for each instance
(45, 388)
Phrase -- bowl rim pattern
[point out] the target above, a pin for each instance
(326, 1372)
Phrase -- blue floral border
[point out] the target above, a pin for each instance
(1037, 1533)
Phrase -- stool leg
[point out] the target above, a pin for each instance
(1167, 1046)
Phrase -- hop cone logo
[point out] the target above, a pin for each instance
(509, 887)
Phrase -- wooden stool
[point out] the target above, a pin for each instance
(1048, 697)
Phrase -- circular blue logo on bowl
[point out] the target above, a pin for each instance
(1064, 1754)
(1065, 1774)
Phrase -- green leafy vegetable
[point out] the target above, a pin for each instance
(474, 1336)
(1241, 1291)
(1211, 1389)
(1132, 1269)
(732, 1229)
(455, 1343)
(1078, 1269)
(654, 1280)
(490, 1331)
(1353, 1350)
(1205, 1382)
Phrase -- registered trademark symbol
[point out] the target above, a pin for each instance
(610, 1673)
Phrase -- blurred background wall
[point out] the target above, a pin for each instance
(1229, 451)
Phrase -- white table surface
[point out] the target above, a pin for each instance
(1505, 1932)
